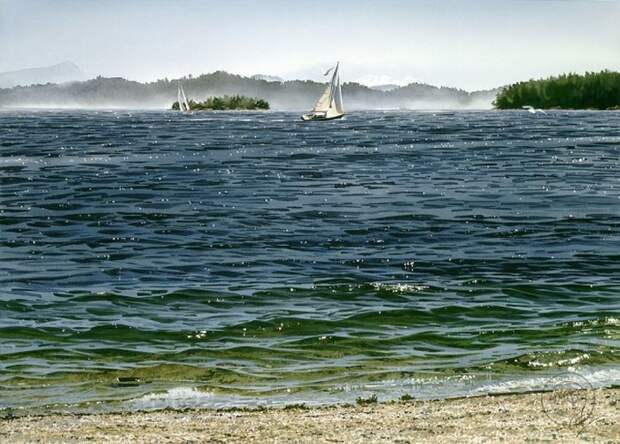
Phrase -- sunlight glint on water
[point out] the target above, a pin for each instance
(152, 259)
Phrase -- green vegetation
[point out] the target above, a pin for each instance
(372, 399)
(569, 91)
(236, 102)
(300, 406)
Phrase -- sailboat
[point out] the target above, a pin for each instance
(329, 106)
(183, 103)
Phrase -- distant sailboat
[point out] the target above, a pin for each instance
(329, 106)
(183, 103)
(530, 109)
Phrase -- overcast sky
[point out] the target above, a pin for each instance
(470, 44)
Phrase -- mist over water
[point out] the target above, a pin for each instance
(154, 259)
(297, 95)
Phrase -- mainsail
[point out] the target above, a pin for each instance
(338, 98)
(179, 98)
(183, 104)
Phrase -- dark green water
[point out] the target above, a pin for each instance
(160, 260)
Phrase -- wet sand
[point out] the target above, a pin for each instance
(531, 417)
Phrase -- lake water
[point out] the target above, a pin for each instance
(153, 259)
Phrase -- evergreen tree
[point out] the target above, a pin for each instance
(568, 91)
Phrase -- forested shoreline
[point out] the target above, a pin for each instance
(599, 90)
(227, 103)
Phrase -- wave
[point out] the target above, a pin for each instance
(136, 394)
(249, 256)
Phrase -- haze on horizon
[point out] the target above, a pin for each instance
(477, 44)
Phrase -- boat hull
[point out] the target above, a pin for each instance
(311, 117)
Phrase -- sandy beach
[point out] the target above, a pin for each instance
(532, 417)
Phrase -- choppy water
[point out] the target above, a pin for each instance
(155, 259)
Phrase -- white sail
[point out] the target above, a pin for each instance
(332, 112)
(338, 98)
(179, 98)
(185, 102)
(332, 84)
(324, 102)
(182, 99)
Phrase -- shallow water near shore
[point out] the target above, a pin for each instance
(154, 259)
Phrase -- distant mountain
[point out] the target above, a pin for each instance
(267, 78)
(288, 95)
(385, 88)
(60, 73)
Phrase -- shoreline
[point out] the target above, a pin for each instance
(547, 416)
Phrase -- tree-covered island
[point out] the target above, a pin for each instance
(568, 91)
(226, 103)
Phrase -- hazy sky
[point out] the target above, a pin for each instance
(470, 44)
